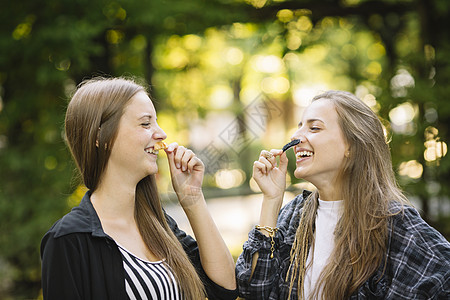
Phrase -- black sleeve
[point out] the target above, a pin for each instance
(213, 290)
(61, 271)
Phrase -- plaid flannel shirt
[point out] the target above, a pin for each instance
(418, 260)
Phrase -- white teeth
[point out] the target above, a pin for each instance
(304, 154)
(151, 151)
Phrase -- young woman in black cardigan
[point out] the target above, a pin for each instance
(119, 243)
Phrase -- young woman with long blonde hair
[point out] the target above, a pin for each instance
(119, 243)
(356, 236)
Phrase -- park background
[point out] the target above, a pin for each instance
(228, 78)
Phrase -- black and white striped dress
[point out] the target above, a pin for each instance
(148, 280)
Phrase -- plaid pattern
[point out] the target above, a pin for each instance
(418, 260)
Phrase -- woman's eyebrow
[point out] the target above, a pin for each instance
(309, 121)
(146, 116)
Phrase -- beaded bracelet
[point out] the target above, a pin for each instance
(271, 231)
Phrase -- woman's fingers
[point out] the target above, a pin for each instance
(264, 165)
(179, 152)
(283, 159)
(269, 159)
(180, 157)
(171, 147)
(183, 158)
(194, 163)
(188, 158)
(276, 152)
(260, 167)
(283, 162)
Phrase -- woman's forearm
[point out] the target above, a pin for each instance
(268, 217)
(214, 255)
(269, 212)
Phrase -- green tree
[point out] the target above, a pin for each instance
(414, 35)
(46, 49)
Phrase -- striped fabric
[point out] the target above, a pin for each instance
(148, 280)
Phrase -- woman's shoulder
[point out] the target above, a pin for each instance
(410, 231)
(295, 205)
(81, 219)
(419, 255)
(73, 222)
(407, 220)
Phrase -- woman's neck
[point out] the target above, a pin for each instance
(329, 194)
(330, 190)
(114, 199)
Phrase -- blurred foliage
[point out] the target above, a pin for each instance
(209, 62)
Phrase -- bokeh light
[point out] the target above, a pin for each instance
(412, 169)
(227, 179)
(402, 117)
(434, 150)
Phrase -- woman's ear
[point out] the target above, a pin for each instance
(347, 151)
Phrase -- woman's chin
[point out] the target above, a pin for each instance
(151, 170)
(299, 174)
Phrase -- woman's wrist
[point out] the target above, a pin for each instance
(269, 211)
(277, 199)
(192, 202)
(272, 204)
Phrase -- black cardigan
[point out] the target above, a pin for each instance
(80, 261)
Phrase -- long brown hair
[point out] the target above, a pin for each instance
(368, 185)
(99, 103)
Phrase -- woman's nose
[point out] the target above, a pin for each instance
(297, 135)
(159, 134)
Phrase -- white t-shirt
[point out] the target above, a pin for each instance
(328, 214)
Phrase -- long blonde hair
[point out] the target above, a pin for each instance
(99, 103)
(368, 186)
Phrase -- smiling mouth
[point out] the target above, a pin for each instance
(304, 154)
(151, 151)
